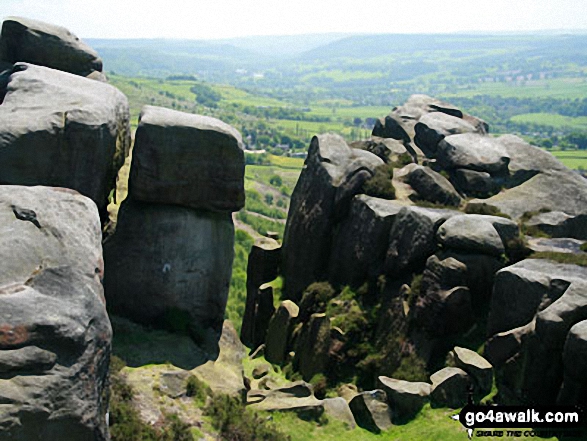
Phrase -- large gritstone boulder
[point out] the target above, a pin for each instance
(473, 151)
(534, 306)
(432, 187)
(361, 241)
(55, 334)
(171, 266)
(190, 160)
(479, 369)
(450, 388)
(44, 44)
(62, 130)
(405, 398)
(371, 410)
(332, 175)
(537, 182)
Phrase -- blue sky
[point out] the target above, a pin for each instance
(235, 18)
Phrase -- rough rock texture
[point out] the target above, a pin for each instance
(450, 388)
(549, 298)
(471, 234)
(433, 187)
(44, 44)
(411, 239)
(332, 175)
(54, 331)
(262, 267)
(171, 266)
(474, 183)
(574, 388)
(388, 149)
(279, 332)
(537, 181)
(473, 151)
(339, 409)
(559, 224)
(256, 322)
(371, 411)
(561, 245)
(190, 160)
(405, 398)
(444, 305)
(297, 397)
(359, 245)
(526, 288)
(225, 374)
(264, 260)
(61, 130)
(479, 369)
(312, 346)
(434, 127)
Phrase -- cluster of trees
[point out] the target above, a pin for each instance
(205, 95)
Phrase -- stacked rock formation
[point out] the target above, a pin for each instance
(58, 128)
(55, 334)
(169, 261)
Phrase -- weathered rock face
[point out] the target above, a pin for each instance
(536, 182)
(472, 234)
(190, 160)
(550, 298)
(411, 239)
(359, 246)
(170, 265)
(559, 224)
(262, 267)
(54, 331)
(279, 332)
(526, 288)
(61, 130)
(388, 149)
(479, 369)
(371, 411)
(433, 187)
(44, 44)
(340, 410)
(297, 397)
(225, 375)
(312, 346)
(474, 152)
(332, 175)
(450, 388)
(405, 398)
(434, 127)
(474, 183)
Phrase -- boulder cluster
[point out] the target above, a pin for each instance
(444, 258)
(64, 135)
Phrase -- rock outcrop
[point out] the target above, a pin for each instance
(62, 130)
(44, 44)
(169, 261)
(55, 334)
(332, 175)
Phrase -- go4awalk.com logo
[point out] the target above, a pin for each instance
(523, 421)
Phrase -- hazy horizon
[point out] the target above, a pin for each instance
(228, 19)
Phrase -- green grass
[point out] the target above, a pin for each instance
(568, 258)
(429, 425)
(549, 88)
(552, 119)
(574, 159)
